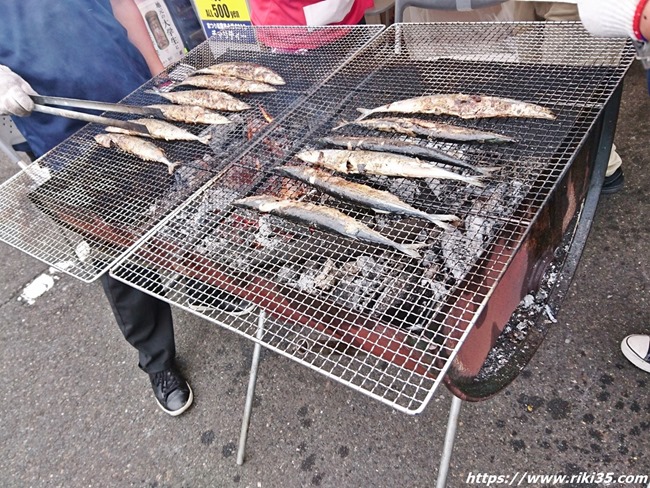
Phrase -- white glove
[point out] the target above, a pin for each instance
(14, 94)
(604, 18)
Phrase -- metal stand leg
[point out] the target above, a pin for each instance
(251, 390)
(449, 441)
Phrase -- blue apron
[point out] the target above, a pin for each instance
(67, 48)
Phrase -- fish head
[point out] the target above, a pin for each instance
(104, 139)
(312, 157)
(297, 172)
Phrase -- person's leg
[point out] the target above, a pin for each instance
(146, 323)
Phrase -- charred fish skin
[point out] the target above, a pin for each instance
(325, 218)
(159, 129)
(381, 164)
(432, 130)
(228, 84)
(464, 106)
(210, 99)
(245, 71)
(191, 114)
(136, 146)
(404, 148)
(363, 195)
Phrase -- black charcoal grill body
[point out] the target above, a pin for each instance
(387, 325)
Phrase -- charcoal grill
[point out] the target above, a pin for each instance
(389, 326)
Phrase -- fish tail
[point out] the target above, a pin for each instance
(410, 250)
(172, 166)
(205, 138)
(342, 124)
(441, 220)
(487, 171)
(364, 113)
(474, 180)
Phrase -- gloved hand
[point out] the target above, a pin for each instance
(14, 94)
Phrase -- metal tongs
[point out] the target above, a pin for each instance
(41, 105)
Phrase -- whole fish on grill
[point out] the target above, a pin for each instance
(191, 114)
(428, 128)
(211, 99)
(464, 106)
(402, 147)
(378, 200)
(159, 129)
(383, 164)
(228, 84)
(325, 218)
(244, 71)
(137, 146)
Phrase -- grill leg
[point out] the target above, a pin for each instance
(251, 389)
(452, 423)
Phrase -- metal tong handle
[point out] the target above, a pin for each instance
(70, 114)
(93, 105)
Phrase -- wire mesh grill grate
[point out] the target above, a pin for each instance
(367, 315)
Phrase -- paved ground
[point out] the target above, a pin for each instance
(76, 411)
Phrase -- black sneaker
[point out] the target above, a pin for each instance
(172, 392)
(205, 298)
(613, 183)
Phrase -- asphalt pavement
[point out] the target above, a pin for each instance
(75, 410)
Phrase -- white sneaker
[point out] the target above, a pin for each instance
(636, 348)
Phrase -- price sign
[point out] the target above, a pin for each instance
(221, 18)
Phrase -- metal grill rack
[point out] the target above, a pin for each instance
(367, 315)
(81, 206)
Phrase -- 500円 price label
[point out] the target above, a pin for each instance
(223, 10)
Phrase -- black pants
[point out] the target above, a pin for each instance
(145, 322)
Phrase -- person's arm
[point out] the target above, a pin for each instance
(606, 18)
(127, 13)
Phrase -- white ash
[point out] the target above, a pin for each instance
(403, 188)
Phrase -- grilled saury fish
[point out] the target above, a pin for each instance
(137, 146)
(159, 129)
(228, 84)
(191, 114)
(402, 147)
(464, 106)
(428, 128)
(325, 218)
(379, 200)
(211, 99)
(378, 163)
(244, 71)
